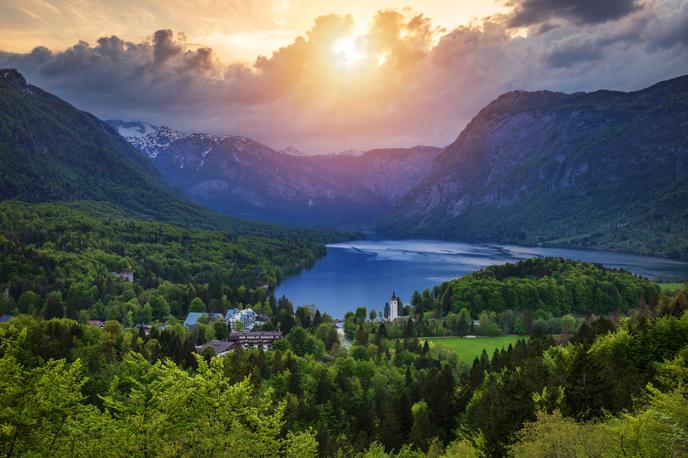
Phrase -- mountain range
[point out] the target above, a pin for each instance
(52, 152)
(604, 169)
(242, 177)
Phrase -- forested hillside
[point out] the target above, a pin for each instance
(73, 389)
(559, 286)
(617, 389)
(548, 295)
(58, 260)
(51, 151)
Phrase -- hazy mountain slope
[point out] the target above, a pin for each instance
(387, 172)
(50, 151)
(603, 169)
(239, 176)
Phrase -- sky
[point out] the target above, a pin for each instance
(328, 76)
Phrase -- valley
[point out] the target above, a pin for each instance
(165, 293)
(600, 170)
(241, 177)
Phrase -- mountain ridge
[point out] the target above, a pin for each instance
(54, 152)
(240, 176)
(582, 169)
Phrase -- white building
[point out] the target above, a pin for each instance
(394, 306)
(246, 317)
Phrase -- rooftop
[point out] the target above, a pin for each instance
(219, 346)
(192, 318)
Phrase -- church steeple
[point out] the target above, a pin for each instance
(394, 306)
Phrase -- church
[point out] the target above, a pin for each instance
(393, 307)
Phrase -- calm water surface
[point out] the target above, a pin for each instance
(365, 272)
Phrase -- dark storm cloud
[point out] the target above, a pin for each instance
(591, 46)
(571, 54)
(530, 12)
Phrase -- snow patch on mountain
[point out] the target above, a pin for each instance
(292, 151)
(135, 129)
(154, 142)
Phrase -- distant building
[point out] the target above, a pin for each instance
(220, 347)
(246, 317)
(96, 323)
(260, 339)
(392, 307)
(231, 313)
(192, 318)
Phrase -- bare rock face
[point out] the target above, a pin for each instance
(544, 167)
(14, 79)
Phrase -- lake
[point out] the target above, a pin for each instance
(365, 272)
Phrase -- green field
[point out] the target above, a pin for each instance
(468, 349)
(671, 287)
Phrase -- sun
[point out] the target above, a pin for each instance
(346, 51)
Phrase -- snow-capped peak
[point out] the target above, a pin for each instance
(154, 141)
(129, 129)
(290, 150)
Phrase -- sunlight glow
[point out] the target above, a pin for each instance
(347, 51)
(381, 59)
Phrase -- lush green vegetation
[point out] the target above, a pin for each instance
(551, 295)
(58, 260)
(672, 287)
(50, 151)
(554, 285)
(75, 390)
(469, 349)
(613, 384)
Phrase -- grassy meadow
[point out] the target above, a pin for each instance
(468, 348)
(671, 287)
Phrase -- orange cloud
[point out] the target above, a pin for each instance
(400, 80)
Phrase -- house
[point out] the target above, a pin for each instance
(246, 317)
(258, 339)
(220, 347)
(96, 323)
(192, 318)
(231, 313)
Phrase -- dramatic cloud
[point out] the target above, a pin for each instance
(400, 81)
(529, 12)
